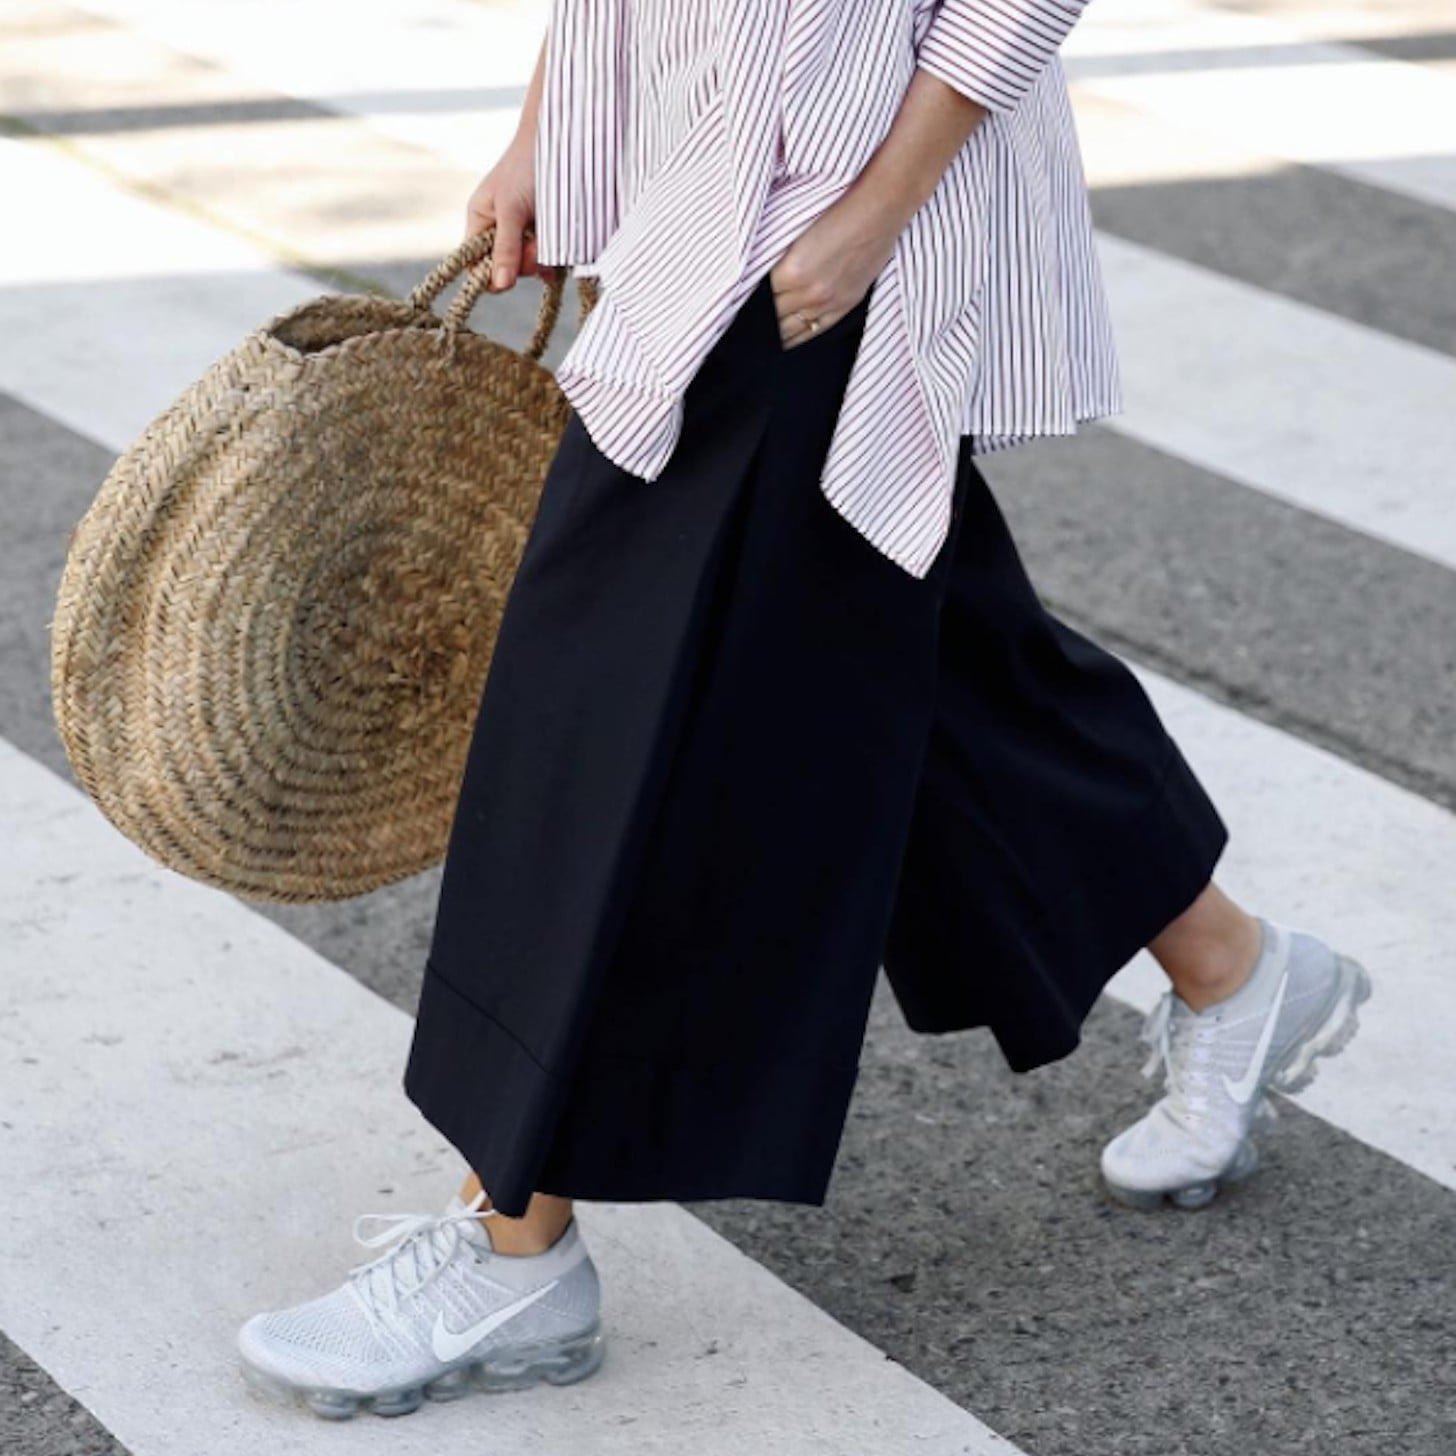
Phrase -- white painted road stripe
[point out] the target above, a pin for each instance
(195, 1106)
(402, 57)
(1268, 86)
(113, 304)
(1350, 819)
(1332, 415)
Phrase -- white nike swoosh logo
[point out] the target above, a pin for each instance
(451, 1344)
(1244, 1089)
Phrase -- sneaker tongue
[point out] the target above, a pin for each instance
(472, 1230)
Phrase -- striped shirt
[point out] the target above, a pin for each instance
(682, 146)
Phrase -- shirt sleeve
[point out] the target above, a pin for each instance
(992, 50)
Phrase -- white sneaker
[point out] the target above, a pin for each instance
(437, 1314)
(1299, 1004)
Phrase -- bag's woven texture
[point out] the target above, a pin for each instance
(276, 618)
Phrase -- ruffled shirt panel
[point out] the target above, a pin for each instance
(684, 144)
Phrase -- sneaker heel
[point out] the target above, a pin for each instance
(576, 1363)
(1334, 1036)
(1245, 1162)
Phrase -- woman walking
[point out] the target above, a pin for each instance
(773, 703)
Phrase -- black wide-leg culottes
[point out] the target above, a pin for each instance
(729, 761)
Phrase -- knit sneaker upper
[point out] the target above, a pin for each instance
(408, 1315)
(1219, 1063)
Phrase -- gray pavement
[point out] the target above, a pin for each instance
(38, 1418)
(1357, 251)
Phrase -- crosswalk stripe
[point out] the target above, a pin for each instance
(1264, 83)
(1402, 26)
(1271, 84)
(159, 1040)
(442, 75)
(1359, 252)
(1337, 418)
(101, 287)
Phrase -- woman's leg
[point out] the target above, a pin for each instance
(1209, 951)
(1239, 1022)
(727, 1024)
(452, 1303)
(635, 990)
(535, 1231)
(1059, 830)
(1253, 1005)
(610, 620)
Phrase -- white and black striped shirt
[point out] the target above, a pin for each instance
(683, 145)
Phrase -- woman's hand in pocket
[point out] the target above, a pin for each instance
(505, 198)
(829, 268)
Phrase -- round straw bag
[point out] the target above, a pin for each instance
(275, 620)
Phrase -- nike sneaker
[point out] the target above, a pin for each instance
(436, 1315)
(1299, 1004)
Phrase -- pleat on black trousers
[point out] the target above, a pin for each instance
(729, 761)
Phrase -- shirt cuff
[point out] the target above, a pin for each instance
(993, 50)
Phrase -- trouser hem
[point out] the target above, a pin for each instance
(633, 1129)
(1140, 881)
(463, 1066)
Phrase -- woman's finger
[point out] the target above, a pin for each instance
(480, 209)
(820, 322)
(506, 254)
(798, 303)
(528, 254)
(795, 326)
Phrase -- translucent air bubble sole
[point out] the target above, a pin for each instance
(516, 1367)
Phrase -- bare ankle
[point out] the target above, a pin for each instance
(1210, 951)
(512, 1236)
(1219, 972)
(543, 1223)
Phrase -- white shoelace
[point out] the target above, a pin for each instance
(420, 1243)
(1184, 1057)
(1186, 1061)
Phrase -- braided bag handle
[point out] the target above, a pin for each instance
(473, 258)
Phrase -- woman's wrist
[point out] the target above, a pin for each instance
(931, 127)
(836, 259)
(523, 139)
(877, 213)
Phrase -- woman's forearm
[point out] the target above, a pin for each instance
(531, 106)
(929, 130)
(831, 265)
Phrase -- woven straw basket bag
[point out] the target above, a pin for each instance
(276, 618)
